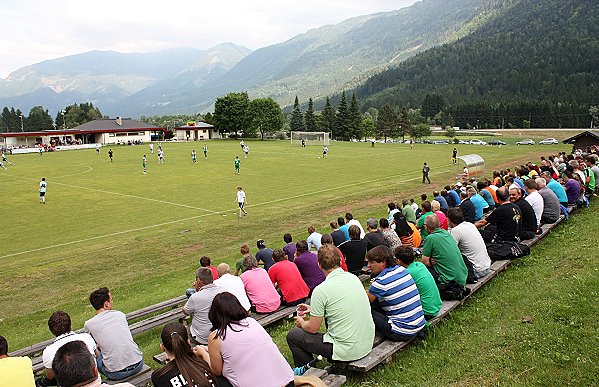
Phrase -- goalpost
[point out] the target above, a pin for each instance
(310, 138)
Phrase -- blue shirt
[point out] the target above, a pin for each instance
(559, 190)
(442, 202)
(520, 183)
(479, 204)
(345, 229)
(487, 196)
(455, 197)
(398, 295)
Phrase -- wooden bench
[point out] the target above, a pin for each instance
(140, 379)
(330, 380)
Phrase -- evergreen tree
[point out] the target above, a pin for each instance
(386, 125)
(11, 119)
(328, 117)
(355, 118)
(297, 120)
(342, 120)
(310, 118)
(39, 119)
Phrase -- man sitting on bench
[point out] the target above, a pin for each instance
(341, 298)
(119, 356)
(394, 298)
(14, 371)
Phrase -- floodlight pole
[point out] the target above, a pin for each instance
(21, 123)
(64, 121)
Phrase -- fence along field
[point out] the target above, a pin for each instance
(107, 224)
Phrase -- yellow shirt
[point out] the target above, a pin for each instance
(16, 371)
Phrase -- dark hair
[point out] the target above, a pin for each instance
(301, 246)
(225, 312)
(381, 254)
(354, 232)
(59, 323)
(405, 254)
(502, 194)
(391, 206)
(340, 221)
(175, 340)
(287, 238)
(423, 197)
(328, 257)
(480, 185)
(333, 224)
(74, 364)
(402, 228)
(455, 215)
(205, 275)
(99, 297)
(3, 346)
(278, 255)
(348, 216)
(384, 223)
(326, 239)
(205, 261)
(426, 206)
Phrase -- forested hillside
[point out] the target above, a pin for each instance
(543, 54)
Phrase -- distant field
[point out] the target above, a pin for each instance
(107, 224)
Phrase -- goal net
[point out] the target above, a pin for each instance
(310, 138)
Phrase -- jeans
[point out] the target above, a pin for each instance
(381, 324)
(305, 345)
(189, 292)
(118, 375)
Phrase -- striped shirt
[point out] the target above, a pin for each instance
(398, 296)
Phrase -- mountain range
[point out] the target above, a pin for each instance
(492, 50)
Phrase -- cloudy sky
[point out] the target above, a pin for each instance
(35, 30)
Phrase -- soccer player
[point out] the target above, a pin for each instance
(152, 148)
(206, 151)
(237, 164)
(110, 154)
(43, 186)
(303, 143)
(2, 165)
(41, 150)
(144, 162)
(4, 159)
(241, 144)
(98, 150)
(325, 151)
(241, 201)
(246, 150)
(160, 156)
(454, 156)
(425, 170)
(193, 156)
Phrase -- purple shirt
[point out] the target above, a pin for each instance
(289, 250)
(572, 191)
(307, 263)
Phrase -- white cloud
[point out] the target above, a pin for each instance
(35, 30)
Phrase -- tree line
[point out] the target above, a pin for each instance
(13, 120)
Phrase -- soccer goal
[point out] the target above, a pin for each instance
(310, 138)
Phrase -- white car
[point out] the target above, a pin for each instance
(549, 141)
(477, 142)
(526, 142)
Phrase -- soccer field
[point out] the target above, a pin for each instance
(108, 224)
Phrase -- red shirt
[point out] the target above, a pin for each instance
(343, 263)
(214, 272)
(289, 280)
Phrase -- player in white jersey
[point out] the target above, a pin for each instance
(160, 156)
(206, 151)
(194, 156)
(246, 150)
(2, 166)
(152, 148)
(241, 201)
(98, 149)
(43, 186)
(325, 151)
(4, 159)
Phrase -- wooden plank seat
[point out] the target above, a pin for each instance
(380, 354)
(140, 379)
(481, 282)
(330, 380)
(156, 321)
(498, 266)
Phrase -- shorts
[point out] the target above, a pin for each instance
(42, 194)
(240, 204)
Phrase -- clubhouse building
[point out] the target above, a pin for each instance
(103, 131)
(195, 131)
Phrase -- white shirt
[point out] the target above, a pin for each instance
(472, 245)
(314, 240)
(240, 196)
(43, 185)
(354, 221)
(536, 202)
(50, 350)
(414, 206)
(234, 285)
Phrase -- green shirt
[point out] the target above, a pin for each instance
(589, 173)
(429, 292)
(409, 213)
(237, 163)
(342, 301)
(239, 266)
(420, 225)
(450, 265)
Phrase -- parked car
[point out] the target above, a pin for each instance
(464, 142)
(526, 142)
(549, 141)
(441, 142)
(477, 142)
(496, 142)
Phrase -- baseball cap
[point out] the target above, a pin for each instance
(260, 243)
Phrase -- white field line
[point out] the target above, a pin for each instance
(78, 173)
(117, 193)
(203, 215)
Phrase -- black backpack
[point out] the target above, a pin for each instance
(502, 251)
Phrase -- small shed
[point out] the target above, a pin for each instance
(474, 163)
(193, 131)
(583, 140)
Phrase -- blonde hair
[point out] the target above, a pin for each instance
(435, 205)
